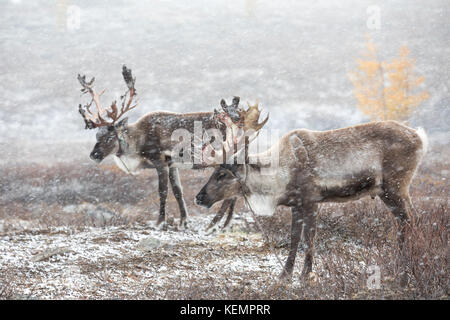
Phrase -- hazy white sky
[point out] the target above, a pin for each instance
(294, 56)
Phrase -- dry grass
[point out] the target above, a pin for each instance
(345, 247)
(350, 237)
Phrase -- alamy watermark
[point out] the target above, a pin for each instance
(373, 17)
(374, 280)
(205, 147)
(68, 16)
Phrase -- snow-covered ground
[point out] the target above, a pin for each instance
(129, 262)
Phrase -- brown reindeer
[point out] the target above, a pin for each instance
(147, 142)
(376, 159)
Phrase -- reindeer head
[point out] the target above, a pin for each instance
(108, 141)
(224, 183)
(227, 178)
(109, 135)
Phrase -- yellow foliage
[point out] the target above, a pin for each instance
(387, 90)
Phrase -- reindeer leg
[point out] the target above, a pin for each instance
(399, 204)
(309, 233)
(226, 204)
(400, 207)
(178, 192)
(219, 215)
(296, 230)
(162, 170)
(230, 212)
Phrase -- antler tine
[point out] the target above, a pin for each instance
(131, 92)
(235, 135)
(89, 87)
(237, 138)
(95, 120)
(260, 125)
(128, 77)
(239, 133)
(91, 120)
(251, 117)
(233, 109)
(254, 106)
(235, 101)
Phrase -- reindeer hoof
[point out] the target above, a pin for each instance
(211, 230)
(183, 225)
(285, 276)
(226, 227)
(162, 226)
(160, 220)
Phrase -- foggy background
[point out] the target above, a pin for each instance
(294, 56)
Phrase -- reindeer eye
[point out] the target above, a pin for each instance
(221, 176)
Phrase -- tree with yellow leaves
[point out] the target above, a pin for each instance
(387, 90)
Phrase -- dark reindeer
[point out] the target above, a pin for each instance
(376, 159)
(147, 142)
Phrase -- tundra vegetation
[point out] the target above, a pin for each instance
(101, 214)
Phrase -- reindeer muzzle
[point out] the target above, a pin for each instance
(97, 156)
(203, 200)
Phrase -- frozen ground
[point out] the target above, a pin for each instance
(138, 261)
(130, 262)
(82, 231)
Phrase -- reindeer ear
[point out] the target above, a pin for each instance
(122, 123)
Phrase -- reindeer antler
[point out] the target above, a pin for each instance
(239, 133)
(232, 110)
(251, 117)
(95, 120)
(91, 120)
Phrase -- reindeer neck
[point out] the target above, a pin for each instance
(132, 137)
(265, 176)
(259, 191)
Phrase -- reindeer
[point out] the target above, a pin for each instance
(147, 142)
(376, 159)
